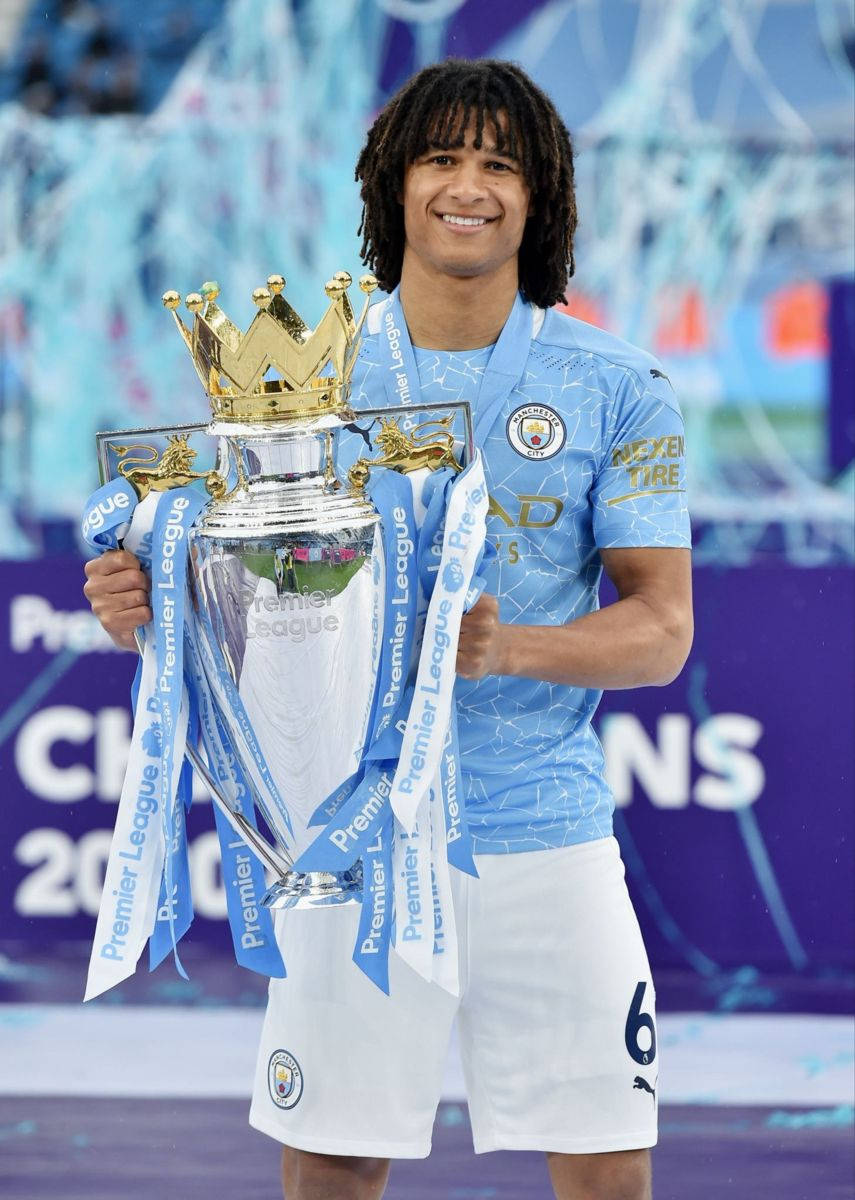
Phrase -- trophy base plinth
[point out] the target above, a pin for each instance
(315, 889)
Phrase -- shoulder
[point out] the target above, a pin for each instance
(559, 338)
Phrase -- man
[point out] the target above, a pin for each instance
(467, 183)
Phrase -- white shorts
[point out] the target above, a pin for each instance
(555, 1021)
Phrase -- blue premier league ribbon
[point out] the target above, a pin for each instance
(250, 924)
(374, 936)
(357, 816)
(227, 697)
(427, 722)
(107, 515)
(328, 808)
(134, 865)
(451, 555)
(128, 906)
(445, 966)
(435, 495)
(342, 841)
(414, 903)
(449, 786)
(393, 497)
(176, 512)
(175, 913)
(146, 895)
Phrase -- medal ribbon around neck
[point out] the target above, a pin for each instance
(502, 374)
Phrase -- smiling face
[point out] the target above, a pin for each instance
(465, 208)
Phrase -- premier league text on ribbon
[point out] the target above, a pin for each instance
(411, 920)
(393, 337)
(347, 837)
(400, 599)
(105, 510)
(126, 893)
(173, 534)
(423, 720)
(375, 868)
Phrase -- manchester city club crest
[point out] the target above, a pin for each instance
(284, 1079)
(536, 431)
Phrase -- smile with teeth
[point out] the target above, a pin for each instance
(451, 219)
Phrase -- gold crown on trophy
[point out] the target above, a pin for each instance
(309, 369)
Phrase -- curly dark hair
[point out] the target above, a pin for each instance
(434, 109)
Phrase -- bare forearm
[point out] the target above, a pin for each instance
(624, 645)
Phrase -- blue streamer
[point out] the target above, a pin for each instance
(106, 515)
(344, 839)
(376, 918)
(176, 512)
(457, 836)
(181, 902)
(250, 924)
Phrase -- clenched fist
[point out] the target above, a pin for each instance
(481, 650)
(119, 593)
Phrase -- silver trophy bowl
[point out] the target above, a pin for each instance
(286, 580)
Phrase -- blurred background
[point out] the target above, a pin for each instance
(146, 147)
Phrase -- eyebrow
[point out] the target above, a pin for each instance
(433, 148)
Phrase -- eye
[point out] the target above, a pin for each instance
(496, 165)
(440, 160)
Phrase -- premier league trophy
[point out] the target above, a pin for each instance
(284, 644)
(283, 577)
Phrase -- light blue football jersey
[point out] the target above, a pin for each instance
(588, 453)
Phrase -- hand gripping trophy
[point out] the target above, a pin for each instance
(283, 659)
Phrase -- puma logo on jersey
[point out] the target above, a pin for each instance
(644, 1086)
(660, 375)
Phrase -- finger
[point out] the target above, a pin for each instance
(105, 606)
(468, 661)
(110, 562)
(112, 585)
(476, 640)
(127, 622)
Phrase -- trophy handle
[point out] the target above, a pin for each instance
(275, 861)
(220, 474)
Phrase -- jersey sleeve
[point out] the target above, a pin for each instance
(639, 494)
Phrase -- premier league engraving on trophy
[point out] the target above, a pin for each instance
(284, 659)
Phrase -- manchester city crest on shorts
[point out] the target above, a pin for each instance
(284, 1079)
(536, 431)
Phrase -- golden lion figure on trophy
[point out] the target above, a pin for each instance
(159, 472)
(409, 451)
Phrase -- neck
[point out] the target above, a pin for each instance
(446, 312)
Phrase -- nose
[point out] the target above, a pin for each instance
(467, 185)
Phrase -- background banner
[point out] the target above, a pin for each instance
(734, 818)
